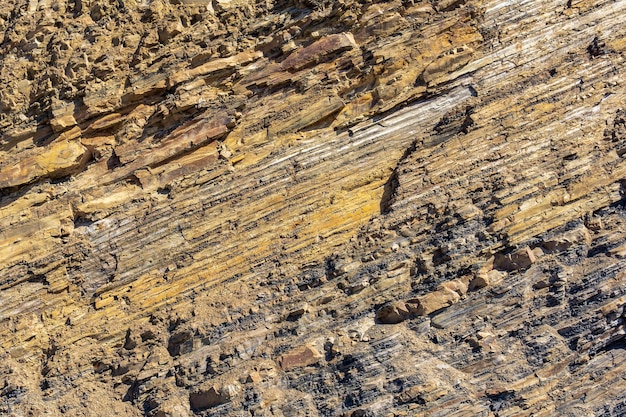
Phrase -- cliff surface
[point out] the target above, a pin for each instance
(312, 208)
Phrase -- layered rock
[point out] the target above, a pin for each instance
(312, 208)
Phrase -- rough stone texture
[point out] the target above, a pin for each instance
(298, 207)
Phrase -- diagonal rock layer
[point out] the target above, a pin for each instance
(312, 208)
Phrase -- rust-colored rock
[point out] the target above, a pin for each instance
(58, 160)
(298, 358)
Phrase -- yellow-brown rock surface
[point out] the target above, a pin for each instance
(298, 207)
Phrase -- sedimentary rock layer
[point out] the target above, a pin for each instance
(239, 208)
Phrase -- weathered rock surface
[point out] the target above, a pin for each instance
(284, 208)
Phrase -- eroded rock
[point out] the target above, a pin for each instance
(203, 201)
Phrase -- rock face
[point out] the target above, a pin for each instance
(298, 207)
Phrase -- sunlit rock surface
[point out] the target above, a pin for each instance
(312, 208)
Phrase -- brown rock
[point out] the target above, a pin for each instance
(421, 393)
(318, 50)
(214, 66)
(170, 404)
(319, 110)
(485, 279)
(393, 313)
(436, 300)
(519, 259)
(237, 151)
(618, 251)
(577, 236)
(449, 62)
(299, 358)
(59, 159)
(169, 29)
(62, 116)
(208, 397)
(298, 312)
(460, 285)
(63, 122)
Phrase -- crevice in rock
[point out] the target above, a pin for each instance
(391, 186)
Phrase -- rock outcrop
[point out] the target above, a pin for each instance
(290, 208)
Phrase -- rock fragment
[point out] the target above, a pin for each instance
(519, 259)
(298, 358)
(393, 313)
(564, 241)
(319, 49)
(208, 396)
(59, 159)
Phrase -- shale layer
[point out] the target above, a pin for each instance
(312, 208)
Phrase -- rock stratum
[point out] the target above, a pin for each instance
(312, 208)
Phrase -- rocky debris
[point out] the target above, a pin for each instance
(485, 279)
(444, 295)
(311, 207)
(208, 397)
(62, 117)
(577, 236)
(393, 313)
(436, 300)
(520, 259)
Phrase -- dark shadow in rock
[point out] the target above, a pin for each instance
(392, 184)
(12, 194)
(388, 192)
